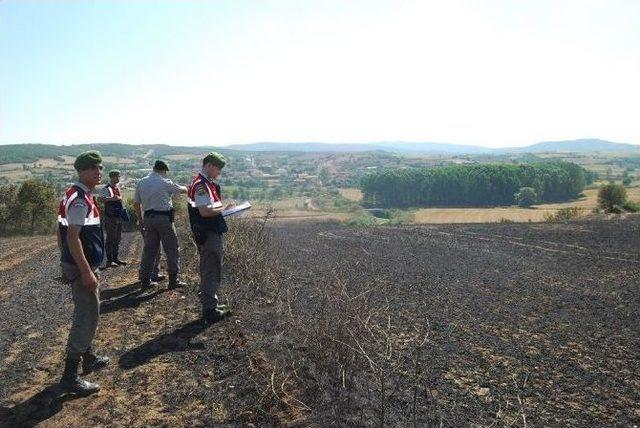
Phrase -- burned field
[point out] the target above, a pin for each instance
(465, 325)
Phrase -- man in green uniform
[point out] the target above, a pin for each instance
(113, 210)
(82, 248)
(208, 224)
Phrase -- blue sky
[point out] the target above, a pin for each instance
(491, 72)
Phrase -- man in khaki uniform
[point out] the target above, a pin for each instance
(153, 197)
(81, 246)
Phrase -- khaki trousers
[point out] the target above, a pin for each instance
(86, 312)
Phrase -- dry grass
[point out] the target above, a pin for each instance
(477, 215)
(185, 156)
(16, 175)
(351, 194)
(11, 166)
(46, 163)
(538, 213)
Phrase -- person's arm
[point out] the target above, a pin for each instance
(138, 209)
(175, 188)
(205, 204)
(137, 200)
(59, 238)
(89, 279)
(213, 212)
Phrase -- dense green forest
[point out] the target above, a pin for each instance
(472, 185)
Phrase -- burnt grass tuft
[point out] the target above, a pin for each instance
(448, 325)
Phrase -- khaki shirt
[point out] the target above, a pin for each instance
(154, 192)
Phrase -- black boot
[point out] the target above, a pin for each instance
(212, 316)
(158, 277)
(174, 282)
(116, 258)
(147, 283)
(71, 382)
(92, 362)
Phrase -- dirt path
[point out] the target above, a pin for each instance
(160, 352)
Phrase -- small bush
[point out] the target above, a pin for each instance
(616, 209)
(365, 221)
(563, 214)
(631, 207)
(610, 195)
(526, 197)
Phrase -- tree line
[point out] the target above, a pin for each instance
(29, 208)
(472, 185)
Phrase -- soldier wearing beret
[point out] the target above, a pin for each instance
(153, 198)
(113, 211)
(82, 248)
(208, 224)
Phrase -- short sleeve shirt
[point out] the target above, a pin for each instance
(202, 196)
(77, 211)
(154, 192)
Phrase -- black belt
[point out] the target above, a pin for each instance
(151, 213)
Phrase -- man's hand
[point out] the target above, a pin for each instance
(141, 226)
(89, 280)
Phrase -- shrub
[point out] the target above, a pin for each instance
(366, 221)
(563, 214)
(631, 206)
(526, 197)
(610, 195)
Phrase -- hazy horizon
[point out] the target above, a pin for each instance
(312, 142)
(492, 74)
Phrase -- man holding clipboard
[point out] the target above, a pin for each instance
(208, 224)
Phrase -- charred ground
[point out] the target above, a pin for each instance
(503, 324)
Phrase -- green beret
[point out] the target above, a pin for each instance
(87, 160)
(216, 159)
(114, 173)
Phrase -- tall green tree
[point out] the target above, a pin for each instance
(34, 209)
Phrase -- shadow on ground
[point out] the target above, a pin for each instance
(179, 340)
(127, 296)
(36, 409)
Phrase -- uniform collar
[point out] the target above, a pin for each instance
(204, 174)
(82, 186)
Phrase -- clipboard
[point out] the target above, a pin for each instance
(243, 207)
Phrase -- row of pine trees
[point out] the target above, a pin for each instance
(472, 185)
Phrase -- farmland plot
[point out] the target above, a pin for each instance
(439, 325)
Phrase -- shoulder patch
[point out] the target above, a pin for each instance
(201, 190)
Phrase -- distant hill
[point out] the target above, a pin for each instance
(582, 145)
(392, 147)
(22, 153)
